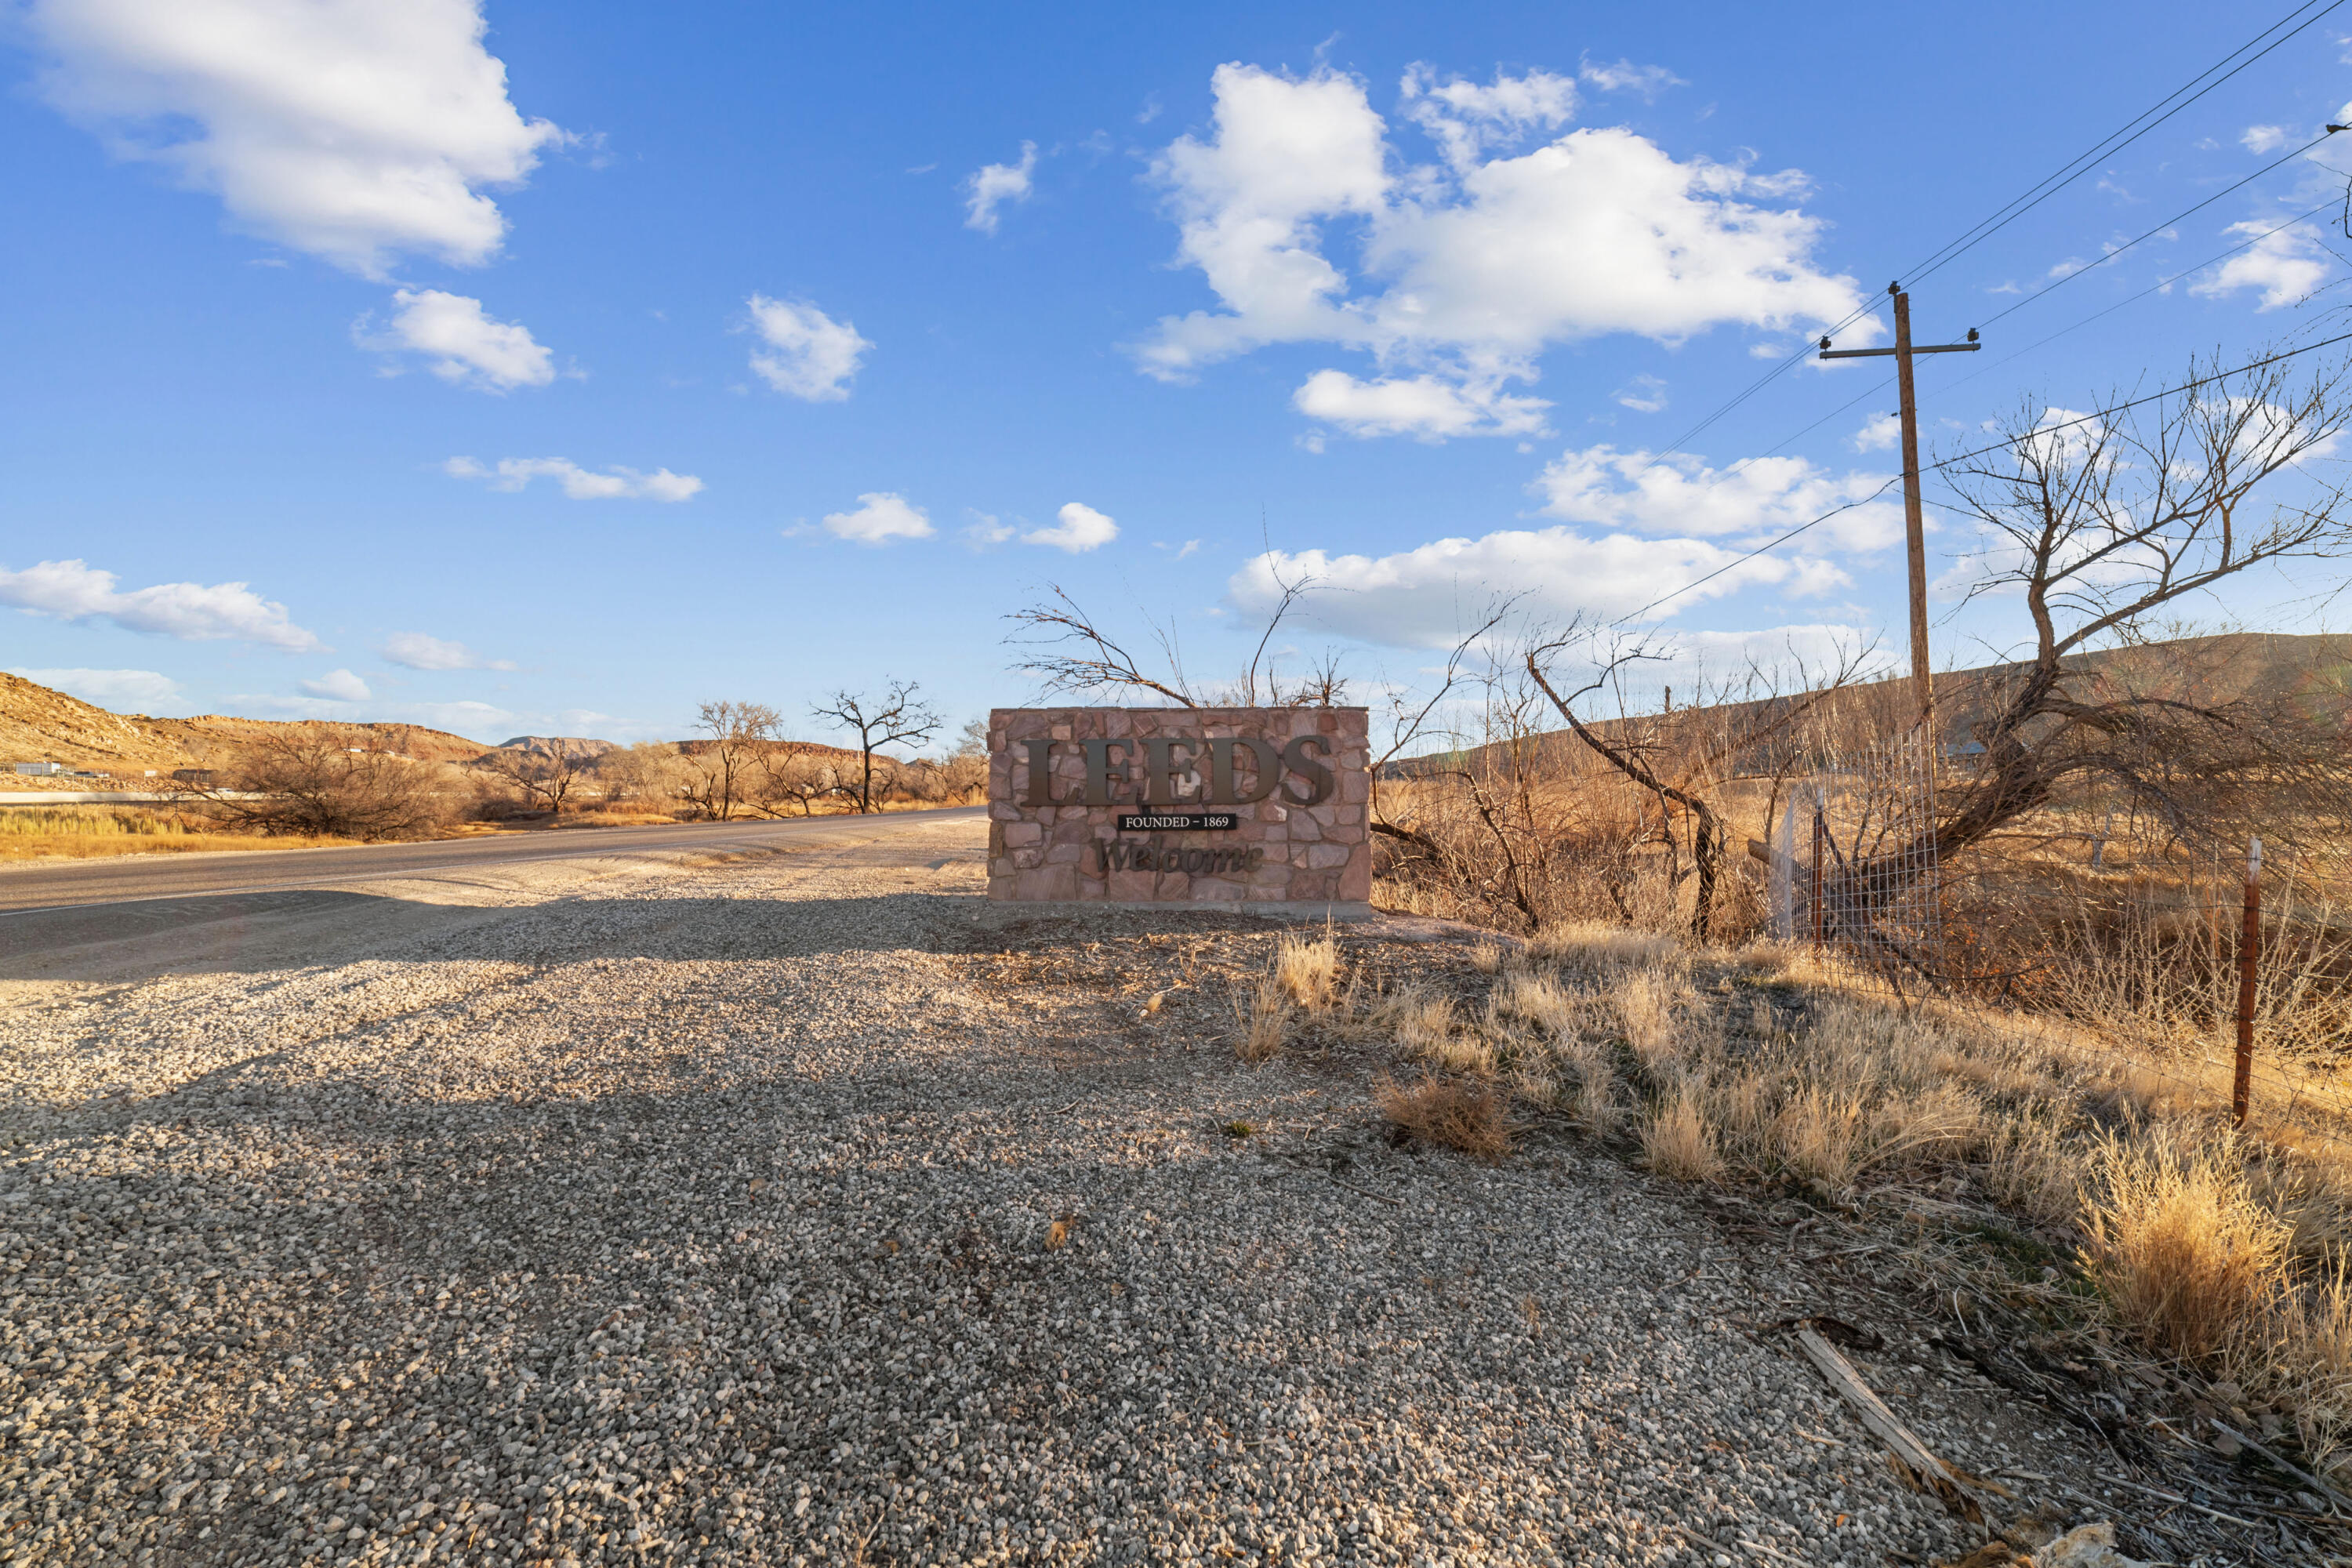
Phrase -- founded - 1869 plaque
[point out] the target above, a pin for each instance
(1185, 805)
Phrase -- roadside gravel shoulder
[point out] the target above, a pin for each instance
(809, 1209)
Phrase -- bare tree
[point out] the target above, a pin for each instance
(1682, 771)
(739, 735)
(311, 786)
(1073, 653)
(897, 717)
(649, 772)
(966, 769)
(792, 774)
(545, 774)
(2102, 526)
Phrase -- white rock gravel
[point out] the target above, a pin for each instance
(711, 1215)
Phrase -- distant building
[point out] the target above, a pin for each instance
(193, 776)
(41, 770)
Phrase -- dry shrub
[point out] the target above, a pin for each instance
(2174, 1239)
(1264, 1012)
(1446, 1111)
(1307, 969)
(306, 787)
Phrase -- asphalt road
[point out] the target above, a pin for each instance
(73, 884)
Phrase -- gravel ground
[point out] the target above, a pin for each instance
(806, 1209)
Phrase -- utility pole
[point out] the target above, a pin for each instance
(1922, 680)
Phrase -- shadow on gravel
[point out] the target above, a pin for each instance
(263, 933)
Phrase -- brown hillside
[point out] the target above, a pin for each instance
(37, 724)
(2314, 672)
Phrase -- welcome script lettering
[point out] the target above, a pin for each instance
(1126, 854)
(1242, 770)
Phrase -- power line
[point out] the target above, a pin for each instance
(2140, 402)
(2034, 195)
(2156, 287)
(2159, 228)
(2065, 424)
(2075, 168)
(1874, 390)
(1760, 550)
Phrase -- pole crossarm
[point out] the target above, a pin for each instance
(1923, 682)
(1888, 353)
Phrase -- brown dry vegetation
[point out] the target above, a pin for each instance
(2069, 1066)
(83, 833)
(2222, 1254)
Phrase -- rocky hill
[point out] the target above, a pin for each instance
(552, 745)
(37, 724)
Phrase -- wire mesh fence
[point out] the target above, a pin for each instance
(1854, 869)
(2119, 927)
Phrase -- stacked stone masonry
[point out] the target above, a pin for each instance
(1318, 853)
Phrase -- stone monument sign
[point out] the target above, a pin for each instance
(1259, 806)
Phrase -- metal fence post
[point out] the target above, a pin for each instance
(2250, 952)
(1821, 839)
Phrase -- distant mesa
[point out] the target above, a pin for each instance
(556, 746)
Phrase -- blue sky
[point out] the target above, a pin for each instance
(540, 367)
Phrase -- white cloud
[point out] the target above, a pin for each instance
(995, 184)
(1081, 529)
(1626, 77)
(75, 591)
(1681, 495)
(1879, 432)
(125, 690)
(809, 355)
(986, 529)
(613, 484)
(2286, 265)
(472, 720)
(1644, 394)
(2260, 139)
(353, 130)
(1421, 597)
(467, 347)
(1481, 261)
(1424, 407)
(1465, 119)
(338, 686)
(881, 517)
(416, 650)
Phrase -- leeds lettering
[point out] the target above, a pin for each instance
(1242, 770)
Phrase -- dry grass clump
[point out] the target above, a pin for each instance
(2174, 1237)
(1264, 1012)
(1452, 1113)
(1679, 1142)
(1308, 968)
